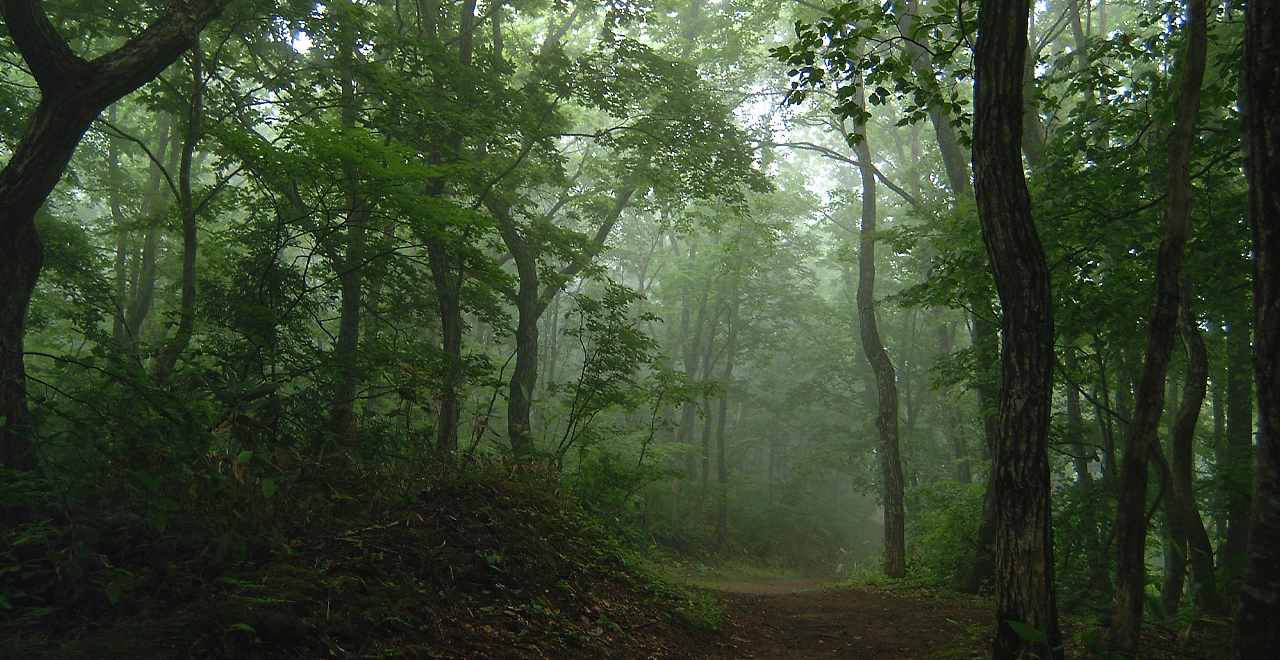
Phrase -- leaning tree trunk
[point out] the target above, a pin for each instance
(1258, 618)
(1131, 515)
(1182, 459)
(73, 92)
(1024, 566)
(891, 487)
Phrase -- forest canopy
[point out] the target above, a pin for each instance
(980, 295)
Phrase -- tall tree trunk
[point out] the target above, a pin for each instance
(986, 348)
(168, 356)
(1182, 458)
(1024, 568)
(1233, 458)
(891, 487)
(447, 277)
(346, 349)
(1258, 618)
(155, 198)
(722, 469)
(1175, 547)
(1131, 516)
(950, 412)
(524, 377)
(886, 380)
(73, 92)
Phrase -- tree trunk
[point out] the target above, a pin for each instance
(448, 283)
(72, 94)
(1024, 568)
(954, 161)
(1131, 515)
(1233, 458)
(1081, 449)
(722, 470)
(346, 349)
(1182, 459)
(891, 487)
(950, 412)
(1257, 632)
(986, 346)
(154, 200)
(168, 357)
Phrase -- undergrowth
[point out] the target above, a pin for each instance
(469, 567)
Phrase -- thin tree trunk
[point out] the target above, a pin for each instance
(1181, 462)
(168, 356)
(1080, 448)
(1258, 618)
(950, 412)
(722, 470)
(891, 486)
(1233, 458)
(447, 278)
(1131, 517)
(346, 350)
(1024, 568)
(154, 199)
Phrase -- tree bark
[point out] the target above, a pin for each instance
(1131, 517)
(891, 486)
(1024, 568)
(73, 92)
(1257, 632)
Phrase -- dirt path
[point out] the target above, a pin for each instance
(802, 620)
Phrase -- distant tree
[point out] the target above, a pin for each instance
(1131, 515)
(73, 92)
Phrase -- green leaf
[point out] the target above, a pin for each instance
(167, 504)
(157, 518)
(243, 626)
(114, 590)
(268, 487)
(244, 456)
(1029, 633)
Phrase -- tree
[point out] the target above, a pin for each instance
(1257, 633)
(891, 489)
(1024, 539)
(1131, 514)
(73, 92)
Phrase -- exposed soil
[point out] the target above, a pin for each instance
(802, 620)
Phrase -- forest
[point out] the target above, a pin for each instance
(640, 329)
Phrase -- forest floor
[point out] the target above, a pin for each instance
(807, 619)
(812, 619)
(497, 571)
